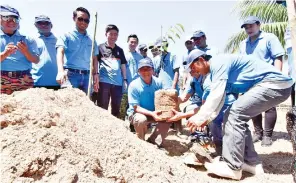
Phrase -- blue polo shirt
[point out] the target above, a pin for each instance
(266, 47)
(242, 72)
(132, 59)
(142, 94)
(168, 64)
(44, 73)
(110, 61)
(17, 61)
(77, 49)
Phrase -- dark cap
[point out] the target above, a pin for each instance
(42, 18)
(6, 10)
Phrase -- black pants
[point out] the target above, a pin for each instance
(49, 87)
(269, 122)
(293, 95)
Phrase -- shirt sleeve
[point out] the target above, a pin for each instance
(96, 49)
(122, 57)
(33, 46)
(176, 63)
(275, 47)
(62, 42)
(214, 103)
(188, 88)
(100, 55)
(133, 97)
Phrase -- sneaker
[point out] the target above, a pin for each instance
(255, 170)
(257, 137)
(266, 141)
(221, 169)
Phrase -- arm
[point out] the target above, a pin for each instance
(26, 50)
(184, 97)
(123, 70)
(60, 59)
(213, 104)
(176, 78)
(10, 48)
(141, 110)
(278, 63)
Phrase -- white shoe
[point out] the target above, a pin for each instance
(255, 170)
(221, 169)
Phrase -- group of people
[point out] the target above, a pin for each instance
(223, 89)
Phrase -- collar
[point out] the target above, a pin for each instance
(261, 35)
(16, 33)
(42, 36)
(145, 84)
(76, 32)
(107, 46)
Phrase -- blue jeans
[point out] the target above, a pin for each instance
(78, 80)
(106, 91)
(238, 146)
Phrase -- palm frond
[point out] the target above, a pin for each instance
(234, 41)
(181, 26)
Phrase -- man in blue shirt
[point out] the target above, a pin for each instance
(113, 78)
(18, 52)
(200, 41)
(141, 110)
(132, 58)
(44, 73)
(267, 48)
(263, 86)
(76, 46)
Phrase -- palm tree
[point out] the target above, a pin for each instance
(273, 16)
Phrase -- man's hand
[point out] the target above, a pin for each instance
(10, 48)
(23, 48)
(195, 126)
(61, 77)
(124, 85)
(96, 82)
(155, 115)
(177, 116)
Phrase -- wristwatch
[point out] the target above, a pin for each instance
(124, 79)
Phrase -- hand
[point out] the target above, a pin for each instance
(195, 126)
(155, 115)
(23, 48)
(177, 116)
(96, 82)
(61, 77)
(124, 85)
(10, 48)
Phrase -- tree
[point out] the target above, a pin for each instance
(273, 16)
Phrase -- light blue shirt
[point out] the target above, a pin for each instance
(132, 59)
(243, 72)
(142, 94)
(168, 64)
(44, 73)
(77, 49)
(17, 61)
(266, 47)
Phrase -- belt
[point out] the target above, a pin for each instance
(78, 71)
(15, 74)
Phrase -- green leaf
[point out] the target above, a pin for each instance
(181, 26)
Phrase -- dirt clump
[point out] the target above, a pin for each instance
(61, 136)
(166, 100)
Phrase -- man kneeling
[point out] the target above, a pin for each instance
(141, 109)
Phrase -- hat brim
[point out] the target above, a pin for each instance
(8, 14)
(42, 21)
(144, 65)
(249, 23)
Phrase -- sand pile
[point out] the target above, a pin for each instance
(61, 136)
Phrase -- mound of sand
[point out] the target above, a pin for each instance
(61, 136)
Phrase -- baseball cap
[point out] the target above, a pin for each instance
(193, 55)
(198, 34)
(42, 18)
(6, 10)
(142, 46)
(250, 20)
(145, 62)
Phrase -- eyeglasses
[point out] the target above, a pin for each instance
(80, 19)
(154, 50)
(15, 19)
(144, 50)
(43, 23)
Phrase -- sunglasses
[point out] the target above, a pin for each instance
(15, 19)
(144, 50)
(154, 50)
(80, 19)
(43, 23)
(196, 38)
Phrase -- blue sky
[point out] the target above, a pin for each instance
(143, 18)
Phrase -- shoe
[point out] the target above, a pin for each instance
(257, 137)
(266, 141)
(255, 170)
(159, 146)
(221, 169)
